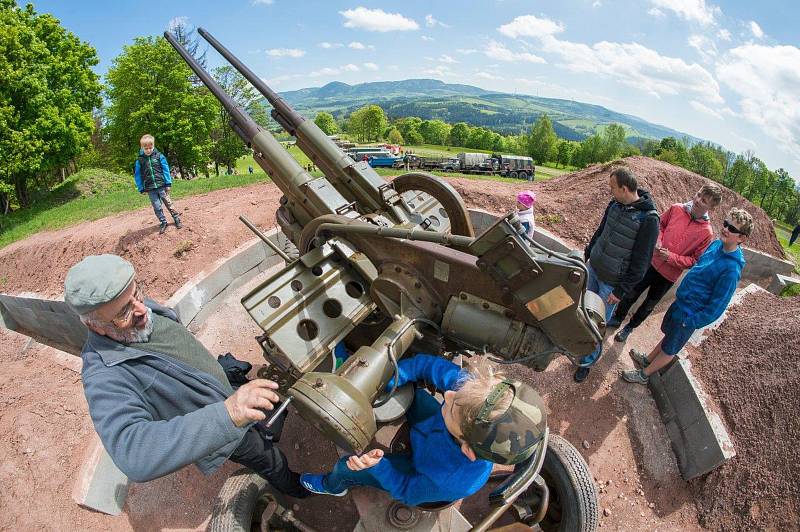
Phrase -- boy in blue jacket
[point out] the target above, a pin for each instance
(701, 298)
(484, 419)
(151, 173)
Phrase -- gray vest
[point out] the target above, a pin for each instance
(611, 253)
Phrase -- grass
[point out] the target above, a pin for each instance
(792, 253)
(77, 200)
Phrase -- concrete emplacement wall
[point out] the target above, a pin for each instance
(698, 436)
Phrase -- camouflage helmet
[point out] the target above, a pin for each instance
(514, 435)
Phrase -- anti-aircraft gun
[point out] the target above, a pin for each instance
(383, 266)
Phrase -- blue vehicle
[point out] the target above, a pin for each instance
(382, 160)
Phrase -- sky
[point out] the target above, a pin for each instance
(726, 71)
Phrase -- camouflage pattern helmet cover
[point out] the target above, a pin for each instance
(514, 435)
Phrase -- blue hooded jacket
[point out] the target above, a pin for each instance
(708, 287)
(151, 172)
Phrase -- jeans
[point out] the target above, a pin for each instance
(159, 196)
(593, 284)
(256, 452)
(656, 286)
(342, 477)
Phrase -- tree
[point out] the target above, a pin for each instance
(703, 160)
(395, 137)
(150, 90)
(326, 123)
(435, 131)
(541, 140)
(47, 93)
(459, 134)
(564, 151)
(367, 123)
(613, 142)
(227, 145)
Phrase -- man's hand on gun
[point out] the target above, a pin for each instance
(365, 461)
(250, 401)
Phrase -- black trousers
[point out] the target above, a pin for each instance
(656, 286)
(257, 452)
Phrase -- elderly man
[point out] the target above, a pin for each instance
(158, 399)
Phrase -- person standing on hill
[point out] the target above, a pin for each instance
(621, 248)
(685, 234)
(151, 173)
(795, 234)
(701, 298)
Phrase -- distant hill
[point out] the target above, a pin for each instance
(503, 112)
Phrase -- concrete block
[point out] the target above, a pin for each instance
(100, 485)
(760, 265)
(779, 282)
(6, 319)
(248, 258)
(699, 439)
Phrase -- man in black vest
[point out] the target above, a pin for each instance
(151, 173)
(620, 251)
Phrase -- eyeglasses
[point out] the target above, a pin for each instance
(124, 315)
(732, 228)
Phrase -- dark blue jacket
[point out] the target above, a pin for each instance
(441, 471)
(151, 172)
(154, 414)
(708, 287)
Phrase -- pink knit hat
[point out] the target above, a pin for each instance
(527, 198)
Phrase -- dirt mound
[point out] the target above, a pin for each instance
(751, 370)
(211, 231)
(572, 205)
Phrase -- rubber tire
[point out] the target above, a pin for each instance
(237, 502)
(513, 175)
(523, 176)
(571, 486)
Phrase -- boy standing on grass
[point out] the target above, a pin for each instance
(485, 419)
(701, 298)
(151, 173)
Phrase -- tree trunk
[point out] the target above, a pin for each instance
(216, 167)
(21, 189)
(5, 203)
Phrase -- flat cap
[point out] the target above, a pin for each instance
(96, 280)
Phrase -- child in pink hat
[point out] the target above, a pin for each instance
(525, 201)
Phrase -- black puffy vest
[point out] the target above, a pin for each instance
(151, 171)
(611, 253)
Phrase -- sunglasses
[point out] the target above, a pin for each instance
(732, 228)
(124, 315)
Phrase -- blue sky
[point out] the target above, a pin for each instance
(724, 71)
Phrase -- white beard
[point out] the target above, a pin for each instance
(132, 335)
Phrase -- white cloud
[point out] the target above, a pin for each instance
(498, 51)
(467, 51)
(690, 10)
(597, 3)
(177, 21)
(697, 106)
(444, 58)
(655, 12)
(704, 46)
(629, 63)
(530, 26)
(724, 34)
(487, 75)
(377, 20)
(286, 52)
(350, 68)
(370, 66)
(442, 71)
(426, 38)
(766, 80)
(329, 45)
(758, 33)
(355, 45)
(262, 2)
(432, 22)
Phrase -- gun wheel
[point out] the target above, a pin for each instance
(444, 193)
(241, 503)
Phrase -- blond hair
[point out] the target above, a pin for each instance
(147, 138)
(713, 192)
(473, 391)
(742, 220)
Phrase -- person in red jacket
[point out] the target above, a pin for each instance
(684, 235)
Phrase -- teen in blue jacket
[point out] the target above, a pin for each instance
(702, 296)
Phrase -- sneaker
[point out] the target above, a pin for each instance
(635, 376)
(314, 483)
(581, 374)
(178, 223)
(163, 228)
(623, 334)
(639, 358)
(613, 323)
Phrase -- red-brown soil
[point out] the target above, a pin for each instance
(750, 365)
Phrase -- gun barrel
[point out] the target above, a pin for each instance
(247, 127)
(288, 117)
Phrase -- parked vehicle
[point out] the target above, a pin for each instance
(381, 159)
(515, 166)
